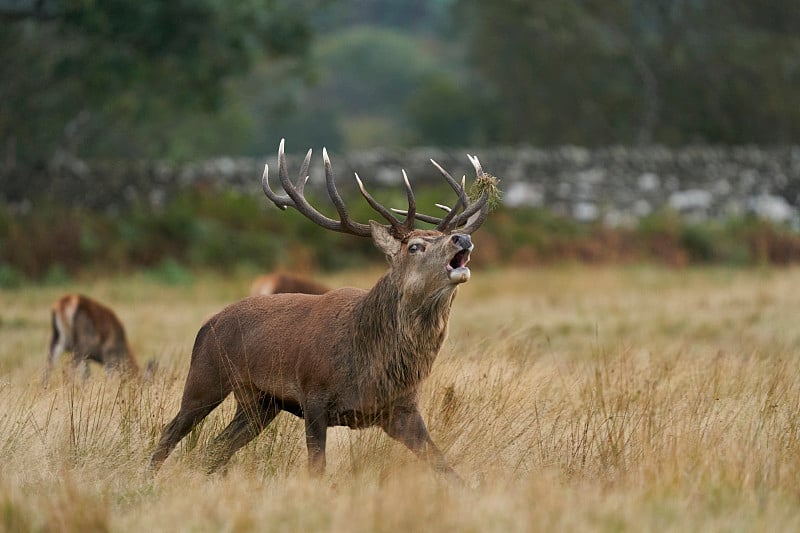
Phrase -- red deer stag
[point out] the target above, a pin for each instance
(92, 332)
(280, 282)
(349, 357)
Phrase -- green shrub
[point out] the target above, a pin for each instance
(10, 277)
(57, 275)
(207, 229)
(170, 272)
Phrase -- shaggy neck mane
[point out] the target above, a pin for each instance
(404, 336)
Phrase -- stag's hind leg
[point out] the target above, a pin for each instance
(206, 387)
(249, 421)
(200, 397)
(186, 419)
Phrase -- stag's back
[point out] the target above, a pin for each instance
(283, 344)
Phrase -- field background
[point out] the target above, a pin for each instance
(600, 398)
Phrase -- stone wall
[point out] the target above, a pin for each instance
(615, 184)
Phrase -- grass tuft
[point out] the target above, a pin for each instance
(486, 185)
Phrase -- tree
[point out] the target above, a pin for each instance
(444, 114)
(622, 71)
(115, 77)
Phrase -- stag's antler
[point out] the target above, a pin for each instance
(345, 224)
(468, 220)
(472, 214)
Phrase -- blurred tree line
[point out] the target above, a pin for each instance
(622, 71)
(183, 79)
(189, 79)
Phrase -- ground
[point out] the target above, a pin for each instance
(569, 398)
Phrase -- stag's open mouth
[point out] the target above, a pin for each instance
(457, 269)
(459, 260)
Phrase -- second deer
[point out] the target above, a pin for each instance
(92, 332)
(281, 282)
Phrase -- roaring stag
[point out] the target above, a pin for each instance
(349, 357)
(92, 332)
(280, 282)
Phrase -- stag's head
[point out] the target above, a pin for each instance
(422, 260)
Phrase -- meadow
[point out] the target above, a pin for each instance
(633, 398)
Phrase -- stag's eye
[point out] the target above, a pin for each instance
(416, 247)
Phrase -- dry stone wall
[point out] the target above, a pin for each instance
(614, 184)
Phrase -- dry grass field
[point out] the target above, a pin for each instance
(601, 399)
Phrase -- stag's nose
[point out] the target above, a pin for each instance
(462, 241)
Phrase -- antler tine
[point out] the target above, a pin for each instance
(460, 190)
(296, 198)
(347, 223)
(445, 224)
(302, 176)
(474, 214)
(412, 204)
(398, 228)
(281, 201)
(477, 164)
(477, 217)
(431, 219)
(419, 216)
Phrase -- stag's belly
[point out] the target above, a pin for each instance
(351, 418)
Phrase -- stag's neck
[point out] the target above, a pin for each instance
(398, 337)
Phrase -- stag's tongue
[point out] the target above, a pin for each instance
(457, 269)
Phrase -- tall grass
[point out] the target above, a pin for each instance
(570, 399)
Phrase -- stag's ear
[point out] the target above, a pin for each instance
(384, 240)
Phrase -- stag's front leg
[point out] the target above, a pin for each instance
(316, 418)
(405, 425)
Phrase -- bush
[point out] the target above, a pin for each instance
(170, 272)
(206, 229)
(10, 277)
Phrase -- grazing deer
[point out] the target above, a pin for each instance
(349, 357)
(92, 332)
(281, 282)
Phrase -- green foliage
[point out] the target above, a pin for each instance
(444, 114)
(185, 80)
(170, 272)
(599, 73)
(134, 78)
(366, 77)
(374, 69)
(57, 275)
(228, 231)
(10, 277)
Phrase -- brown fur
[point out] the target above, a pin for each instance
(281, 282)
(347, 357)
(92, 332)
